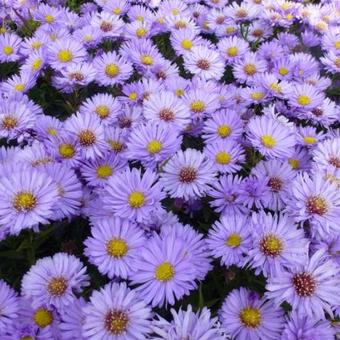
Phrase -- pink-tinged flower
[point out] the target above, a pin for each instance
(244, 315)
(166, 107)
(312, 288)
(327, 153)
(204, 62)
(187, 174)
(114, 246)
(317, 200)
(110, 25)
(277, 244)
(132, 195)
(271, 137)
(116, 311)
(53, 281)
(89, 133)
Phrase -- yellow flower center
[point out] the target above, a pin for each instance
(116, 146)
(87, 138)
(146, 60)
(36, 64)
(26, 337)
(186, 44)
(232, 51)
(223, 158)
(337, 62)
(179, 92)
(112, 70)
(133, 96)
(116, 322)
(154, 146)
(270, 245)
(87, 37)
(139, 18)
(230, 29)
(52, 131)
(249, 69)
(8, 50)
(65, 56)
(275, 87)
(9, 122)
(141, 32)
(117, 10)
(257, 95)
(294, 163)
(19, 87)
(117, 247)
(234, 240)
(250, 317)
(43, 317)
(224, 130)
(102, 111)
(57, 286)
(104, 171)
(66, 150)
(49, 18)
(268, 141)
(165, 272)
(175, 11)
(36, 44)
(303, 100)
(337, 44)
(136, 199)
(309, 140)
(283, 71)
(197, 106)
(24, 201)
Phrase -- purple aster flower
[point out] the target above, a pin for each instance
(303, 326)
(114, 246)
(311, 288)
(116, 140)
(248, 68)
(166, 107)
(9, 304)
(88, 35)
(65, 52)
(110, 25)
(277, 244)
(271, 137)
(187, 174)
(184, 40)
(53, 281)
(15, 118)
(223, 125)
(254, 192)
(325, 114)
(233, 48)
(10, 45)
(19, 83)
(227, 156)
(194, 245)
(204, 62)
(72, 320)
(279, 176)
(27, 198)
(153, 143)
(163, 272)
(187, 324)
(111, 69)
(328, 153)
(300, 159)
(331, 61)
(69, 190)
(244, 315)
(225, 195)
(47, 127)
(89, 132)
(309, 137)
(48, 15)
(98, 171)
(304, 96)
(229, 239)
(317, 200)
(132, 195)
(116, 312)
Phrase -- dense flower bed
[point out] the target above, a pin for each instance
(169, 170)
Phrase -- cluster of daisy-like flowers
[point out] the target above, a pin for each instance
(170, 108)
